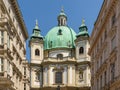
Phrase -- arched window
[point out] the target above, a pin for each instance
(60, 56)
(37, 52)
(81, 50)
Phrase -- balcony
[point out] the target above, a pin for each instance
(3, 21)
(1, 49)
(83, 59)
(5, 80)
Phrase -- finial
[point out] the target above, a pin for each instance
(36, 22)
(83, 22)
(62, 9)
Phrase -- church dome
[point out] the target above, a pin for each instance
(60, 37)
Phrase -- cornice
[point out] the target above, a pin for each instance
(109, 11)
(19, 17)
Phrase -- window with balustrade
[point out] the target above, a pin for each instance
(1, 64)
(1, 37)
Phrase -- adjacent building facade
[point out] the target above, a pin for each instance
(14, 68)
(60, 60)
(105, 48)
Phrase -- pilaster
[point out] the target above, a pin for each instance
(5, 40)
(5, 67)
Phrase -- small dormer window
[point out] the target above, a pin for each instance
(60, 56)
(81, 50)
(59, 32)
(37, 52)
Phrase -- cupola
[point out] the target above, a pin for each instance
(62, 18)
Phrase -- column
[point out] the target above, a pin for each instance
(65, 79)
(45, 76)
(70, 75)
(32, 76)
(73, 75)
(51, 75)
(41, 77)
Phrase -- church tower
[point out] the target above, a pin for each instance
(82, 57)
(36, 49)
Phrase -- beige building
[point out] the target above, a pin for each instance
(60, 60)
(14, 69)
(105, 48)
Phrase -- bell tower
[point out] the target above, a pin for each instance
(36, 45)
(82, 57)
(36, 50)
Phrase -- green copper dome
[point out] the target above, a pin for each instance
(60, 37)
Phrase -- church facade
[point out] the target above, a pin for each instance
(60, 59)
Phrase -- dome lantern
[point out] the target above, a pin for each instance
(62, 18)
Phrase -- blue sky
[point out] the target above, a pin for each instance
(46, 12)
